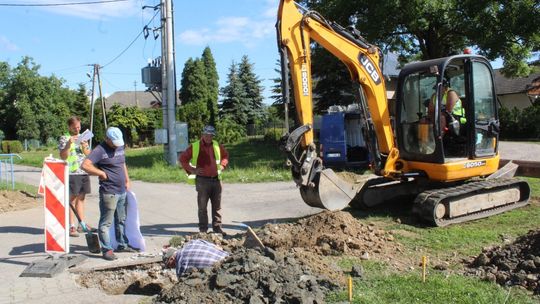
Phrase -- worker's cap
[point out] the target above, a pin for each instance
(210, 130)
(115, 135)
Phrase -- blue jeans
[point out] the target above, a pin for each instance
(112, 206)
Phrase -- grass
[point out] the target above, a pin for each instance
(30, 189)
(381, 284)
(250, 161)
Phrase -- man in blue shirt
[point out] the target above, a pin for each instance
(108, 162)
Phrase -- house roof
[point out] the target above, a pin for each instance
(516, 85)
(141, 99)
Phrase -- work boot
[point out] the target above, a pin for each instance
(109, 255)
(73, 232)
(219, 230)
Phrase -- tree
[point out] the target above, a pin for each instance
(426, 29)
(252, 88)
(193, 82)
(131, 120)
(194, 96)
(80, 106)
(33, 106)
(212, 84)
(234, 104)
(277, 96)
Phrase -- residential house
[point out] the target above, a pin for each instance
(140, 99)
(517, 92)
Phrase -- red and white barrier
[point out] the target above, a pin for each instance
(55, 177)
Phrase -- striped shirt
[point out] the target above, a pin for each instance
(198, 254)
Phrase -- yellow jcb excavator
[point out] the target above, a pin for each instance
(448, 163)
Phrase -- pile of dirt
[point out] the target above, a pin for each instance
(146, 279)
(331, 233)
(516, 264)
(17, 200)
(251, 276)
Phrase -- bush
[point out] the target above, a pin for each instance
(12, 146)
(229, 132)
(524, 124)
(273, 135)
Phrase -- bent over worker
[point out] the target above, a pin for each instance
(204, 160)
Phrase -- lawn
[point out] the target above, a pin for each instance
(250, 161)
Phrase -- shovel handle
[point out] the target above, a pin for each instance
(83, 225)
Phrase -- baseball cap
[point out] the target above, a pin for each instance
(208, 129)
(115, 135)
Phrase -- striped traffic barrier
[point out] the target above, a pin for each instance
(55, 178)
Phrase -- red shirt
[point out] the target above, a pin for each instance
(206, 160)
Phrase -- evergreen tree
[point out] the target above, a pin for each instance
(252, 88)
(277, 96)
(81, 107)
(212, 83)
(234, 104)
(194, 97)
(193, 82)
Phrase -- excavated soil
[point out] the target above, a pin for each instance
(295, 267)
(17, 200)
(515, 264)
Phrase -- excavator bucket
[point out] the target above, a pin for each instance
(330, 191)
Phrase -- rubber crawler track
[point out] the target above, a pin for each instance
(426, 202)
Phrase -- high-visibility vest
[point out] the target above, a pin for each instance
(72, 158)
(458, 109)
(195, 148)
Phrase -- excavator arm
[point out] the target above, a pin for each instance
(297, 28)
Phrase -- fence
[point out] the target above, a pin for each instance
(6, 170)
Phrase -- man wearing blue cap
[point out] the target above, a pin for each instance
(108, 162)
(204, 160)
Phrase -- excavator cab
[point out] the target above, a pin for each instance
(427, 130)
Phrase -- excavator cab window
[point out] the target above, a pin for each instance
(415, 121)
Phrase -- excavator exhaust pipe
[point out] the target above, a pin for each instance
(329, 192)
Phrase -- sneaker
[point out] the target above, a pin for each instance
(125, 249)
(73, 232)
(219, 230)
(109, 255)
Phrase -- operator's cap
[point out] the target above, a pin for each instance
(115, 135)
(208, 129)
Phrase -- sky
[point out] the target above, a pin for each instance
(65, 40)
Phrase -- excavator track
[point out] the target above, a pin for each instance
(471, 201)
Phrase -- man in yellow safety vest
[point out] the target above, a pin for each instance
(204, 160)
(74, 152)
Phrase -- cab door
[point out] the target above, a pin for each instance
(486, 122)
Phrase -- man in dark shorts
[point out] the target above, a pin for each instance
(108, 162)
(74, 153)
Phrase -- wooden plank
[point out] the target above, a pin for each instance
(116, 265)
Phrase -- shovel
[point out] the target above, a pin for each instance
(92, 239)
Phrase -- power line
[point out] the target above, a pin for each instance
(61, 4)
(132, 42)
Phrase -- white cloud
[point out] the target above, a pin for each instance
(94, 11)
(230, 29)
(6, 44)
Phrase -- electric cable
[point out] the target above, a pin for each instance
(132, 42)
(61, 4)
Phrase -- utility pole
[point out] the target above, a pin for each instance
(95, 73)
(168, 80)
(136, 100)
